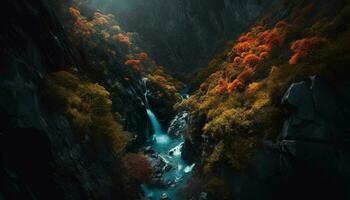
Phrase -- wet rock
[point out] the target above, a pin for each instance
(164, 197)
(169, 183)
(159, 183)
(154, 155)
(158, 175)
(155, 180)
(157, 163)
(190, 150)
(168, 167)
(149, 150)
(176, 151)
(315, 112)
(178, 125)
(178, 179)
(314, 137)
(203, 196)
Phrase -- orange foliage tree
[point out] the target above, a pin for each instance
(136, 64)
(142, 56)
(252, 48)
(222, 86)
(242, 47)
(81, 25)
(100, 19)
(251, 59)
(304, 47)
(124, 39)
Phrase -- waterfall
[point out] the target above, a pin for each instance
(154, 122)
(167, 150)
(158, 135)
(144, 82)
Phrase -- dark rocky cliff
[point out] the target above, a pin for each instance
(41, 156)
(312, 153)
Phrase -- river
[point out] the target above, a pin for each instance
(168, 149)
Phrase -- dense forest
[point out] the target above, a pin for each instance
(174, 99)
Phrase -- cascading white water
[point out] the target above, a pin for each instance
(158, 135)
(144, 83)
(169, 151)
(154, 121)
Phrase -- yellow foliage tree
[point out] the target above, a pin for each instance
(88, 107)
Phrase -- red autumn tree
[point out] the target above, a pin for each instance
(237, 83)
(281, 24)
(244, 38)
(136, 64)
(246, 74)
(138, 167)
(133, 62)
(238, 60)
(74, 12)
(251, 59)
(252, 47)
(142, 56)
(242, 47)
(304, 47)
(124, 39)
(222, 86)
(241, 79)
(264, 55)
(100, 19)
(81, 25)
(264, 36)
(264, 48)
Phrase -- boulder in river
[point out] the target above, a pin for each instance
(203, 196)
(148, 150)
(168, 167)
(178, 125)
(164, 197)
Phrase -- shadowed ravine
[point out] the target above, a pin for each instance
(175, 100)
(167, 149)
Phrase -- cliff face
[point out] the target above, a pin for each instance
(42, 156)
(184, 35)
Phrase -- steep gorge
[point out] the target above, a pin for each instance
(184, 35)
(85, 105)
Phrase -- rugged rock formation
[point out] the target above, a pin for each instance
(312, 155)
(41, 155)
(318, 113)
(314, 140)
